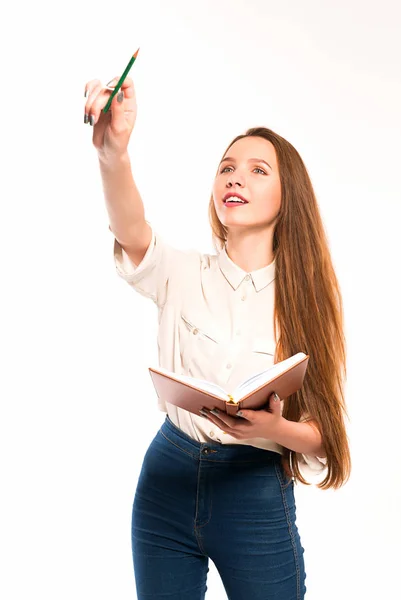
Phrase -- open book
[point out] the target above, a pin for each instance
(192, 394)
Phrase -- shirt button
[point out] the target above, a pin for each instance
(205, 451)
(243, 297)
(228, 366)
(211, 434)
(247, 278)
(195, 331)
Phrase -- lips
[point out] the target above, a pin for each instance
(230, 194)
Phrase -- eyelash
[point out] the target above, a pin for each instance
(222, 171)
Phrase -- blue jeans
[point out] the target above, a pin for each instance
(230, 503)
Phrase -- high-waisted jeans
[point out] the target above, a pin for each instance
(230, 503)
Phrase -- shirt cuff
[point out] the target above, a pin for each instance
(312, 468)
(124, 265)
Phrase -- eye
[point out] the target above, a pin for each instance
(256, 168)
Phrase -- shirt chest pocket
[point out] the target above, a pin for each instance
(200, 340)
(263, 346)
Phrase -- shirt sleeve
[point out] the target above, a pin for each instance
(151, 276)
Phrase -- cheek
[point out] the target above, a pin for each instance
(273, 193)
(217, 194)
(217, 189)
(277, 194)
(216, 205)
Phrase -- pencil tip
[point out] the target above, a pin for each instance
(136, 53)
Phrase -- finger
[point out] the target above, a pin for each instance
(248, 415)
(203, 414)
(224, 418)
(231, 425)
(90, 85)
(213, 419)
(93, 89)
(118, 111)
(127, 85)
(101, 97)
(275, 404)
(226, 429)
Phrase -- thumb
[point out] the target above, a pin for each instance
(112, 82)
(117, 109)
(274, 403)
(246, 414)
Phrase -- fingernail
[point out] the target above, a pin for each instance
(120, 96)
(203, 412)
(276, 398)
(86, 92)
(214, 411)
(86, 118)
(91, 120)
(111, 81)
(239, 414)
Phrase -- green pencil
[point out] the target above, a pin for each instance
(120, 81)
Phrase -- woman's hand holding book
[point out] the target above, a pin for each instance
(249, 423)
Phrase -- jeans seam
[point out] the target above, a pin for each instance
(176, 445)
(209, 459)
(235, 462)
(198, 538)
(197, 492)
(211, 506)
(291, 532)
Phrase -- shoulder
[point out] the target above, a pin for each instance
(191, 257)
(196, 263)
(176, 257)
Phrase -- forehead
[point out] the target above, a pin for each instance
(252, 146)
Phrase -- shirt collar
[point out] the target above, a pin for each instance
(235, 275)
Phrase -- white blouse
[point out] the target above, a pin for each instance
(215, 323)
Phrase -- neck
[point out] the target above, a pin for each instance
(251, 250)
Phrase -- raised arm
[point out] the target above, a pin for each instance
(125, 207)
(111, 135)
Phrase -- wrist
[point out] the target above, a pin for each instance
(113, 161)
(299, 437)
(279, 430)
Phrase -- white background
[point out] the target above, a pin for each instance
(78, 410)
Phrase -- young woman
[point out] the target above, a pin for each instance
(214, 486)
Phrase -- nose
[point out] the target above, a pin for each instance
(235, 178)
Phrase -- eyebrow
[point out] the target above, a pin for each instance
(249, 160)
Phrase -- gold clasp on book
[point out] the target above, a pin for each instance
(231, 400)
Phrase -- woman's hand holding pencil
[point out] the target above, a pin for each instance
(111, 128)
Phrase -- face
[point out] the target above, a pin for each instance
(249, 168)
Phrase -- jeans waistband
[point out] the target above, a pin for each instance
(215, 451)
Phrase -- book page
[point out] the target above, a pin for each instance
(258, 379)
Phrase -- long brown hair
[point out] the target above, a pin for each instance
(308, 311)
